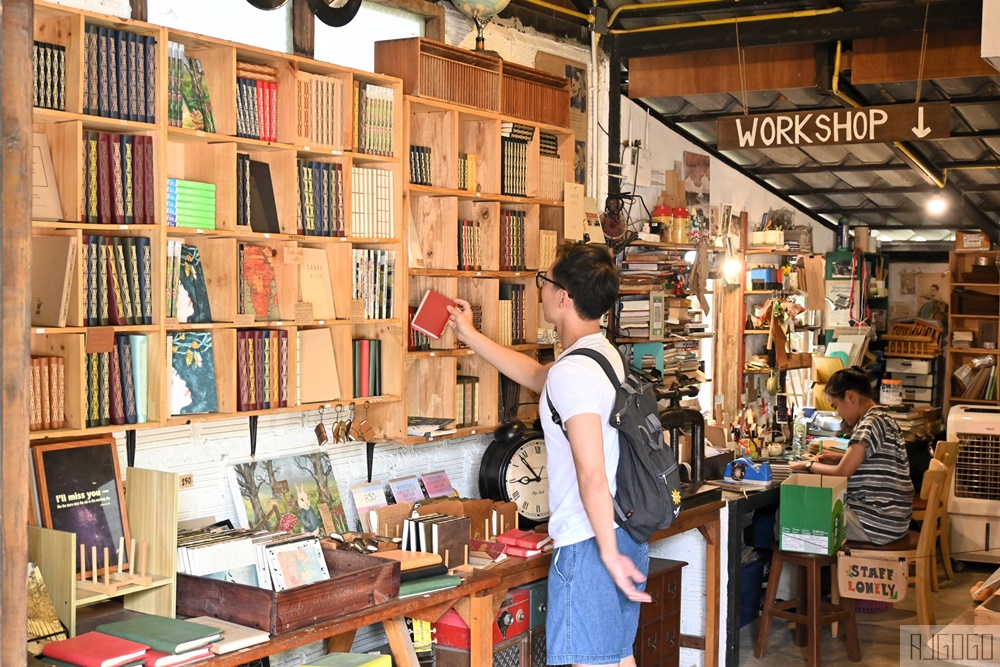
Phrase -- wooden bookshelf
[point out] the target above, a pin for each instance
(452, 118)
(975, 307)
(211, 157)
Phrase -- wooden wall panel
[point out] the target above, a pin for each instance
(728, 347)
(705, 72)
(16, 31)
(949, 54)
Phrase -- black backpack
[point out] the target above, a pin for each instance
(649, 484)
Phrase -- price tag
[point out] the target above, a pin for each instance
(303, 312)
(245, 319)
(293, 255)
(357, 309)
(100, 339)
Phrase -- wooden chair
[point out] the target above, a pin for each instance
(921, 555)
(946, 453)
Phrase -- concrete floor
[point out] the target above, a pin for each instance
(879, 632)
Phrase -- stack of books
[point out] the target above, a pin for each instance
(119, 74)
(514, 140)
(156, 641)
(321, 199)
(373, 281)
(262, 369)
(420, 165)
(367, 368)
(442, 534)
(320, 111)
(256, 101)
(118, 179)
(48, 66)
(524, 544)
(374, 123)
(552, 174)
(417, 340)
(118, 283)
(467, 172)
(511, 325)
(372, 202)
(190, 204)
(962, 339)
(189, 104)
(512, 230)
(467, 401)
(470, 245)
(47, 393)
(118, 382)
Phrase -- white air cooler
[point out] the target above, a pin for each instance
(974, 506)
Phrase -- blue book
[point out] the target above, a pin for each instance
(140, 375)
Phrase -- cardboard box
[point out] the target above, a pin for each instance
(971, 241)
(812, 513)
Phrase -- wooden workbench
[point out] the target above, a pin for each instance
(339, 633)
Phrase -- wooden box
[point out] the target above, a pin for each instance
(448, 73)
(356, 582)
(534, 95)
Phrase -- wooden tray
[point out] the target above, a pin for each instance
(356, 582)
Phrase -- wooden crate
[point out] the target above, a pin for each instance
(438, 71)
(356, 582)
(534, 95)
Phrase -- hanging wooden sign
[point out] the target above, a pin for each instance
(872, 576)
(826, 127)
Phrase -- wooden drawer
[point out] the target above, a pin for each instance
(649, 645)
(664, 585)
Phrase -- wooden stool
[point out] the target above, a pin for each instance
(808, 611)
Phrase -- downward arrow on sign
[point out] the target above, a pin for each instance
(920, 130)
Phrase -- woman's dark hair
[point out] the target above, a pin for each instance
(589, 274)
(853, 378)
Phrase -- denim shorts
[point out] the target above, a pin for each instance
(589, 620)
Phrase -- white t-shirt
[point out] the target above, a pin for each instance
(577, 386)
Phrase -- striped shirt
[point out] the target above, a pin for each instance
(880, 491)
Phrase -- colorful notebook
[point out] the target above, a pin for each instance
(432, 314)
(168, 635)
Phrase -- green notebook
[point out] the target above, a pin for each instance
(428, 585)
(62, 663)
(167, 635)
(350, 660)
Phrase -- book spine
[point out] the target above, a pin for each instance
(45, 368)
(117, 396)
(283, 368)
(127, 174)
(140, 60)
(105, 261)
(144, 272)
(242, 372)
(104, 389)
(118, 209)
(150, 80)
(105, 202)
(147, 174)
(251, 371)
(133, 67)
(121, 42)
(138, 180)
(128, 378)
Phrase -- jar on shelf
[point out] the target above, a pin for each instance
(682, 223)
(891, 392)
(664, 215)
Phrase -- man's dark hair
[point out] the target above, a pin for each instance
(589, 274)
(853, 378)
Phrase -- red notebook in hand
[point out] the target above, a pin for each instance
(432, 314)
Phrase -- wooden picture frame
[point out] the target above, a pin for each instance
(80, 491)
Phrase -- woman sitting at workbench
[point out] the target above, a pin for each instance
(879, 500)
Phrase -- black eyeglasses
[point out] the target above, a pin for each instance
(541, 279)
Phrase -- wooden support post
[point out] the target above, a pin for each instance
(400, 643)
(140, 10)
(303, 29)
(16, 35)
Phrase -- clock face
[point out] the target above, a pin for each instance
(526, 480)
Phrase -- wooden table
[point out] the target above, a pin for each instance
(519, 571)
(339, 633)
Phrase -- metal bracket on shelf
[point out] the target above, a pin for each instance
(370, 451)
(253, 436)
(130, 447)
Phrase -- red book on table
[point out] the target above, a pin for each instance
(432, 314)
(95, 649)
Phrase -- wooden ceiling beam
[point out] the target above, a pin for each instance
(894, 58)
(857, 24)
(709, 72)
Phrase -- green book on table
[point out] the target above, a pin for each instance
(167, 635)
(350, 660)
(428, 585)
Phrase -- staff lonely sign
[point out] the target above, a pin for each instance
(827, 127)
(884, 579)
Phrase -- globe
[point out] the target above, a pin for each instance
(481, 12)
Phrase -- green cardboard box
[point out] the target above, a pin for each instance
(812, 514)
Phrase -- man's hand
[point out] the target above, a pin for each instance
(831, 457)
(626, 575)
(461, 319)
(799, 466)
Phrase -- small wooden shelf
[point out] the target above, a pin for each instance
(433, 354)
(129, 328)
(777, 250)
(85, 597)
(449, 273)
(460, 433)
(96, 430)
(971, 350)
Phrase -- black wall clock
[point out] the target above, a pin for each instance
(514, 468)
(335, 13)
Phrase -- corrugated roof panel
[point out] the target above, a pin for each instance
(954, 149)
(827, 154)
(786, 157)
(858, 179)
(852, 199)
(820, 180)
(980, 116)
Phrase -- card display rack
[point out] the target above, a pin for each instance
(975, 309)
(151, 502)
(211, 157)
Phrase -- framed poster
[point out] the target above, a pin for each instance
(80, 491)
(296, 564)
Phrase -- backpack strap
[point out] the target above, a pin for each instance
(602, 361)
